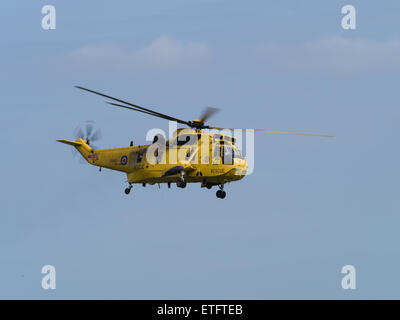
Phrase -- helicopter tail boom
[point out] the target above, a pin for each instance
(71, 143)
(81, 145)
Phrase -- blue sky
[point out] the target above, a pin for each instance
(311, 206)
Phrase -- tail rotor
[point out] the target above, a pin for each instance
(89, 132)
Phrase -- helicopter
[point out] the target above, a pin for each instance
(196, 154)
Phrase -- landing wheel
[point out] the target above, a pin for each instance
(127, 190)
(208, 185)
(181, 184)
(221, 194)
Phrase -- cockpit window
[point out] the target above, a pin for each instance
(227, 157)
(238, 154)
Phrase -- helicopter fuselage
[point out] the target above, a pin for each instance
(209, 159)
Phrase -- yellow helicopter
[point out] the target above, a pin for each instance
(191, 155)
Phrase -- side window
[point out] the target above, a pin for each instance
(182, 141)
(216, 155)
(217, 152)
(227, 157)
(189, 153)
(139, 157)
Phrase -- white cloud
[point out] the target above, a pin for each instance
(163, 53)
(167, 52)
(331, 55)
(334, 55)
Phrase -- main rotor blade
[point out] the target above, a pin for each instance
(208, 113)
(296, 133)
(149, 111)
(278, 132)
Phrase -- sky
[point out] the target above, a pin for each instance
(311, 206)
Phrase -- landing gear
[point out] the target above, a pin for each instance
(128, 190)
(208, 185)
(181, 183)
(221, 193)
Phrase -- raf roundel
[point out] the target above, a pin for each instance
(124, 160)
